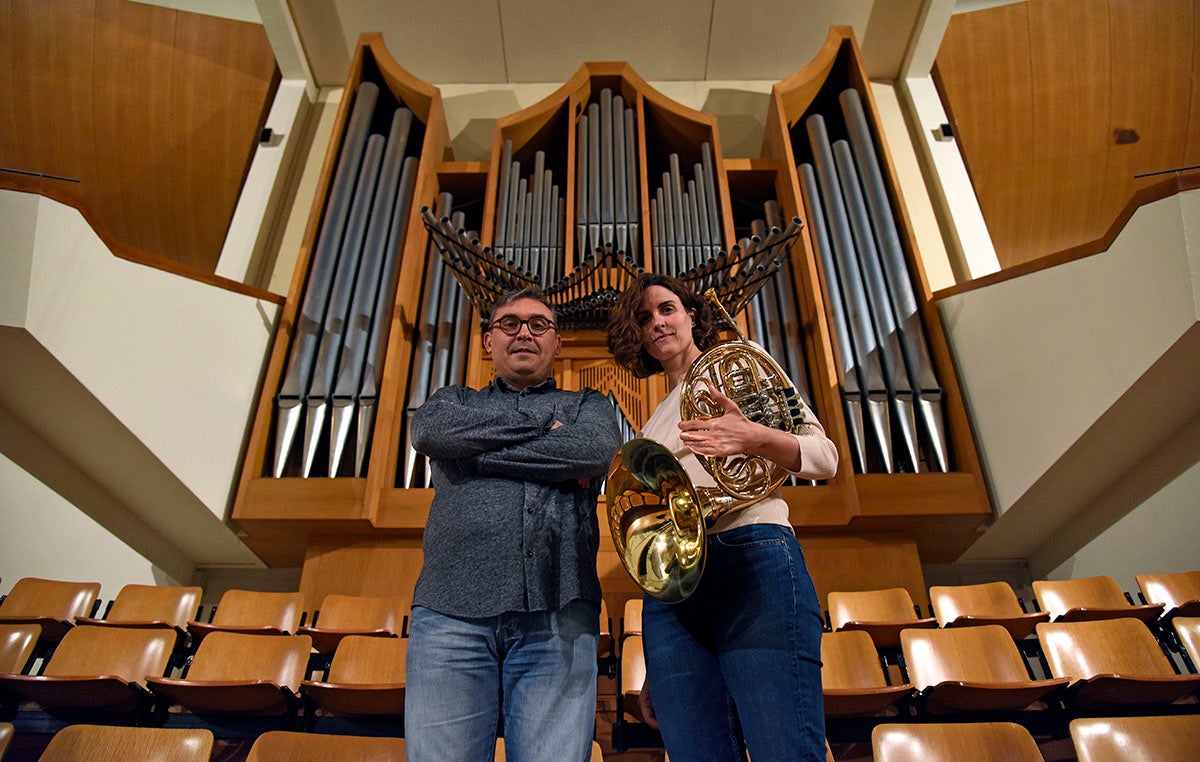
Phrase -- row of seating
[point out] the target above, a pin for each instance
(1094, 739)
(980, 663)
(102, 743)
(57, 605)
(128, 671)
(884, 613)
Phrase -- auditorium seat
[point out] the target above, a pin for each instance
(366, 677)
(605, 646)
(252, 612)
(971, 669)
(1174, 738)
(1187, 628)
(1112, 662)
(632, 624)
(1089, 598)
(17, 644)
(633, 677)
(275, 745)
(53, 604)
(852, 677)
(1179, 592)
(235, 672)
(6, 734)
(954, 742)
(597, 752)
(342, 615)
(881, 613)
(104, 743)
(153, 607)
(988, 603)
(100, 669)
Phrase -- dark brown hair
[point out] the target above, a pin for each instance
(625, 332)
(529, 292)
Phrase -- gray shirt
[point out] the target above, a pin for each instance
(511, 528)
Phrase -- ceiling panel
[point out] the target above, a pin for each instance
(773, 39)
(436, 42)
(547, 41)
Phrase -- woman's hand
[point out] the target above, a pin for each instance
(730, 433)
(646, 704)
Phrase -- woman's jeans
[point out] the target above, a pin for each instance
(741, 658)
(540, 666)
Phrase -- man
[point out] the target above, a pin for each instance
(505, 612)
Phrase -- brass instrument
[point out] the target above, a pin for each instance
(658, 517)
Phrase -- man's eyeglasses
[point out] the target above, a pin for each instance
(511, 325)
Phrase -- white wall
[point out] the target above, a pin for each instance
(1158, 537)
(45, 536)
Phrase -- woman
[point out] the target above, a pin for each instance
(737, 664)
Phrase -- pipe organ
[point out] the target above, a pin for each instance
(808, 246)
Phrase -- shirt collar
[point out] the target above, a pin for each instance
(548, 385)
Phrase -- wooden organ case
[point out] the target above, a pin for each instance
(355, 525)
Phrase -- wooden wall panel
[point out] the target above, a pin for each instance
(155, 111)
(998, 77)
(1057, 105)
(50, 62)
(129, 142)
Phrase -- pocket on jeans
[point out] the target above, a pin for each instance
(753, 536)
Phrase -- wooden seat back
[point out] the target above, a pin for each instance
(101, 743)
(890, 605)
(254, 611)
(360, 612)
(1178, 591)
(318, 747)
(633, 675)
(1098, 597)
(1174, 738)
(151, 606)
(239, 657)
(54, 604)
(361, 659)
(1081, 650)
(17, 644)
(633, 617)
(882, 613)
(849, 660)
(984, 654)
(1187, 628)
(130, 654)
(954, 742)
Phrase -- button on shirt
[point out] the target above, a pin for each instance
(511, 528)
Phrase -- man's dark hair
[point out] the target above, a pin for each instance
(529, 292)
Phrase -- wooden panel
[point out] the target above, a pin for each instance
(51, 67)
(379, 567)
(1059, 104)
(849, 564)
(138, 42)
(218, 123)
(1144, 133)
(994, 126)
(156, 112)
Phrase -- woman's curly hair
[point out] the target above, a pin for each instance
(625, 332)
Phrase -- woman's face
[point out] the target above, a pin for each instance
(666, 326)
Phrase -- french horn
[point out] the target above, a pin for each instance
(658, 517)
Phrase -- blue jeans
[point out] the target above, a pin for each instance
(738, 664)
(539, 667)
